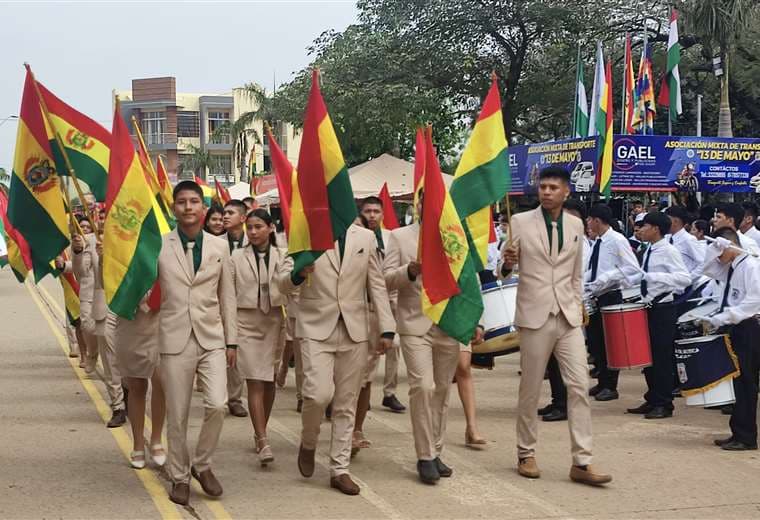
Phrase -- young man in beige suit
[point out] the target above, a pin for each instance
(547, 243)
(431, 356)
(197, 321)
(333, 330)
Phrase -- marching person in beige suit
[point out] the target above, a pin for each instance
(547, 244)
(196, 323)
(83, 267)
(333, 330)
(257, 271)
(234, 233)
(431, 356)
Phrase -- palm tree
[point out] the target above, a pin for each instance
(199, 161)
(720, 22)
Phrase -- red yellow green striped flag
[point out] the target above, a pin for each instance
(604, 143)
(35, 202)
(482, 177)
(87, 144)
(70, 293)
(390, 220)
(327, 199)
(209, 194)
(450, 287)
(19, 257)
(287, 182)
(167, 192)
(132, 238)
(222, 195)
(419, 168)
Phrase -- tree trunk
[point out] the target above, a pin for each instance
(724, 117)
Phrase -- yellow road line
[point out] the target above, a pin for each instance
(150, 481)
(52, 301)
(214, 505)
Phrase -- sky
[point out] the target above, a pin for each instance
(82, 50)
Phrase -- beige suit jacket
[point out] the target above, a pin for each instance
(83, 264)
(542, 279)
(245, 276)
(401, 249)
(204, 303)
(340, 288)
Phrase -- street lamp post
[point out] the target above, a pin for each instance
(6, 119)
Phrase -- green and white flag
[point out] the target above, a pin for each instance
(599, 82)
(670, 94)
(581, 103)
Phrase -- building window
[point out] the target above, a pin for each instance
(153, 127)
(221, 168)
(217, 120)
(188, 124)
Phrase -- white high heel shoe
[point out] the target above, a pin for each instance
(159, 459)
(137, 459)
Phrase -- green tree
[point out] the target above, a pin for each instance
(5, 178)
(199, 161)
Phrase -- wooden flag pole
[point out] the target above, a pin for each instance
(59, 141)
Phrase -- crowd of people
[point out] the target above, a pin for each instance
(235, 311)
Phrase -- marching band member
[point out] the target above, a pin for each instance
(234, 220)
(332, 332)
(739, 308)
(731, 214)
(256, 270)
(83, 263)
(611, 262)
(663, 274)
(685, 242)
(197, 321)
(548, 246)
(748, 225)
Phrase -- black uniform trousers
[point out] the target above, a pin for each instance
(662, 319)
(559, 392)
(745, 338)
(607, 378)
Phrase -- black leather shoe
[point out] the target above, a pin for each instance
(658, 412)
(546, 409)
(118, 418)
(594, 390)
(237, 409)
(443, 469)
(735, 445)
(428, 471)
(593, 373)
(727, 409)
(641, 409)
(555, 415)
(392, 402)
(721, 442)
(299, 405)
(328, 412)
(676, 393)
(606, 394)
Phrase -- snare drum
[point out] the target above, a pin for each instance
(626, 336)
(688, 325)
(499, 305)
(706, 366)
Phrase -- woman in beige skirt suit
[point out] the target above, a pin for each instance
(136, 345)
(256, 270)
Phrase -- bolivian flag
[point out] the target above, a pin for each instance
(87, 144)
(287, 183)
(70, 293)
(604, 143)
(209, 194)
(222, 195)
(132, 239)
(419, 168)
(450, 286)
(325, 191)
(163, 211)
(167, 193)
(482, 177)
(35, 202)
(19, 256)
(390, 221)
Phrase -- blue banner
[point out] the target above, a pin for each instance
(646, 163)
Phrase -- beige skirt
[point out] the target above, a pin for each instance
(258, 342)
(136, 344)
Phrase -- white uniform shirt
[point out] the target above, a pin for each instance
(692, 255)
(747, 243)
(493, 257)
(665, 272)
(616, 264)
(753, 234)
(3, 247)
(743, 298)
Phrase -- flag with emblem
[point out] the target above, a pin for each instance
(390, 220)
(19, 257)
(132, 237)
(327, 199)
(35, 202)
(482, 177)
(86, 143)
(450, 286)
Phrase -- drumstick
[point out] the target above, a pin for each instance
(732, 246)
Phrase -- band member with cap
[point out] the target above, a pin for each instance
(739, 274)
(663, 274)
(332, 331)
(256, 273)
(547, 243)
(234, 219)
(612, 260)
(686, 243)
(197, 321)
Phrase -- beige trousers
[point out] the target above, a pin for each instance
(299, 367)
(431, 361)
(71, 336)
(234, 386)
(107, 350)
(390, 380)
(332, 369)
(177, 374)
(536, 345)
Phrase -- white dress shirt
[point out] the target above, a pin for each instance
(754, 234)
(493, 257)
(692, 255)
(748, 243)
(616, 264)
(665, 272)
(743, 298)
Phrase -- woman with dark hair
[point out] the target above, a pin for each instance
(214, 222)
(256, 272)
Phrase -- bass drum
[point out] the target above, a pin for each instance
(501, 337)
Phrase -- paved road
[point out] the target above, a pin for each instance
(59, 461)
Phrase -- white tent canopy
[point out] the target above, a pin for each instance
(368, 179)
(240, 190)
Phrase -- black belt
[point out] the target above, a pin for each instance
(659, 298)
(612, 297)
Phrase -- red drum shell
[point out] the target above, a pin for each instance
(626, 336)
